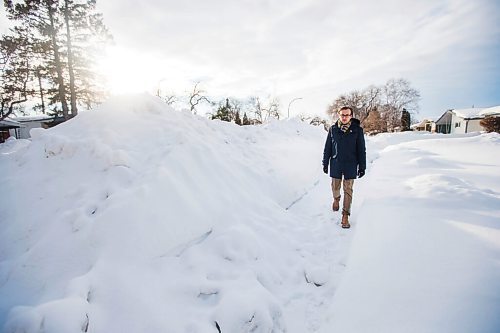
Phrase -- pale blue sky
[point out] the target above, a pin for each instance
(314, 49)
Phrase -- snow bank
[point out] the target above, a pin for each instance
(425, 254)
(105, 211)
(139, 218)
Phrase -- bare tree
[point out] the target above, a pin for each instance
(256, 108)
(304, 117)
(389, 100)
(354, 100)
(317, 121)
(361, 102)
(170, 99)
(398, 95)
(272, 109)
(491, 124)
(372, 96)
(265, 110)
(196, 97)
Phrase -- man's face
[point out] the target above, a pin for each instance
(345, 116)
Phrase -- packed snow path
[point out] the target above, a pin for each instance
(138, 218)
(425, 254)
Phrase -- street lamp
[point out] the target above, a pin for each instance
(158, 91)
(293, 100)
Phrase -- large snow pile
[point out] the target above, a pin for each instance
(139, 218)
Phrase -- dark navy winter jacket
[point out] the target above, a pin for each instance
(345, 152)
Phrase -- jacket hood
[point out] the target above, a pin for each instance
(354, 122)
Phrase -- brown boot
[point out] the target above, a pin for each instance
(345, 221)
(336, 204)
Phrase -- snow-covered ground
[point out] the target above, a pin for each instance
(139, 218)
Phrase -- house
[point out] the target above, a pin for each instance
(20, 127)
(6, 128)
(458, 121)
(30, 122)
(425, 125)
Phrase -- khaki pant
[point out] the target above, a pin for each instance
(347, 184)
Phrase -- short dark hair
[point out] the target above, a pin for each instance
(346, 108)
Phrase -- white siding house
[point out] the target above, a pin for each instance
(427, 125)
(8, 128)
(30, 122)
(466, 120)
(459, 121)
(20, 127)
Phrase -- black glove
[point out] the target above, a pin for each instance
(361, 173)
(325, 169)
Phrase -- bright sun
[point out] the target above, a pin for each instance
(127, 71)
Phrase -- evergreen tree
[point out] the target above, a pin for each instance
(69, 51)
(245, 119)
(405, 120)
(15, 70)
(67, 34)
(85, 36)
(223, 112)
(237, 119)
(40, 74)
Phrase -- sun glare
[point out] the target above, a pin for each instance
(127, 71)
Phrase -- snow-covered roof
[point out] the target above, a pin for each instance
(10, 123)
(422, 123)
(33, 118)
(468, 113)
(495, 110)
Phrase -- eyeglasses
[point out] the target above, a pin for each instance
(344, 115)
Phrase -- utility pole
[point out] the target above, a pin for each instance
(293, 100)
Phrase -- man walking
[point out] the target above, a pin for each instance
(346, 153)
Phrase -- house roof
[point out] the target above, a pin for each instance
(472, 113)
(25, 119)
(438, 122)
(8, 123)
(495, 110)
(422, 123)
(468, 113)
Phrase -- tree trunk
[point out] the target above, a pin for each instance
(57, 60)
(72, 90)
(39, 75)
